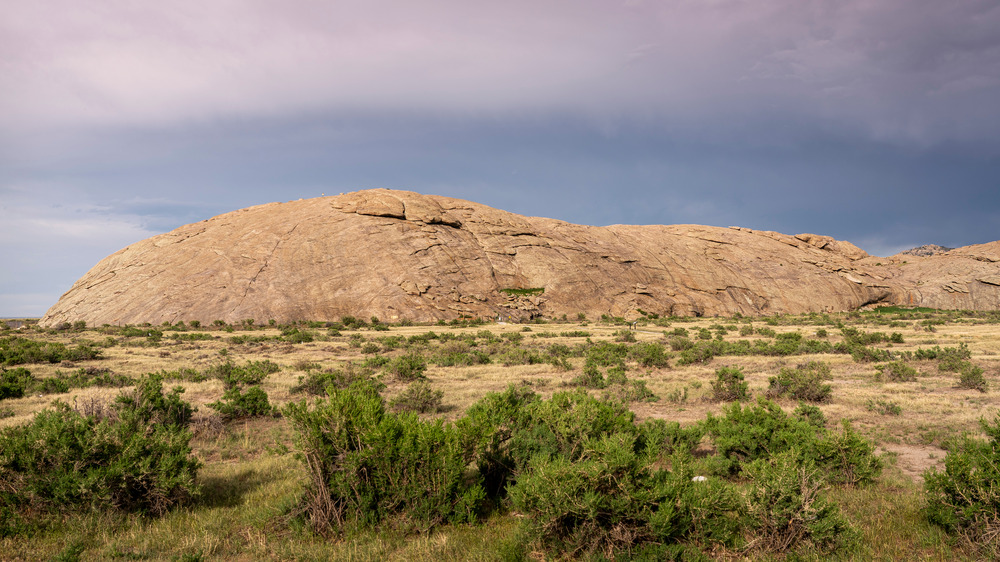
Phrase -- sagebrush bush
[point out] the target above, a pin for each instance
(368, 466)
(237, 404)
(964, 498)
(233, 376)
(316, 382)
(591, 377)
(896, 371)
(970, 376)
(810, 414)
(649, 354)
(760, 430)
(630, 390)
(609, 501)
(729, 385)
(848, 457)
(606, 354)
(147, 401)
(18, 350)
(805, 382)
(951, 359)
(408, 367)
(659, 439)
(418, 397)
(133, 456)
(786, 508)
(15, 383)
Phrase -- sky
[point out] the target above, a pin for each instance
(872, 121)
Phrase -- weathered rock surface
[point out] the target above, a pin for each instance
(398, 254)
(926, 250)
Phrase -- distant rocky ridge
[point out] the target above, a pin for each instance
(926, 250)
(402, 255)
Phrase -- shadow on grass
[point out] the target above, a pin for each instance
(229, 490)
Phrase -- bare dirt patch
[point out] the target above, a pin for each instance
(913, 460)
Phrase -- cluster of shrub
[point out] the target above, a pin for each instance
(704, 350)
(131, 455)
(243, 395)
(18, 350)
(587, 478)
(19, 382)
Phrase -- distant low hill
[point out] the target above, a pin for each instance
(402, 255)
(926, 250)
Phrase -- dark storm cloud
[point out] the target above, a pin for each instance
(875, 122)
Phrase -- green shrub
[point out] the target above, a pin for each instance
(368, 466)
(15, 383)
(490, 426)
(804, 382)
(649, 354)
(660, 438)
(626, 336)
(896, 371)
(237, 404)
(786, 508)
(757, 431)
(630, 390)
(608, 502)
(233, 376)
(702, 352)
(294, 335)
(729, 385)
(606, 354)
(418, 397)
(316, 383)
(951, 359)
(132, 457)
(970, 376)
(678, 332)
(409, 367)
(863, 354)
(761, 430)
(591, 377)
(860, 337)
(148, 402)
(370, 347)
(17, 350)
(848, 457)
(520, 356)
(558, 427)
(964, 499)
(810, 414)
(679, 344)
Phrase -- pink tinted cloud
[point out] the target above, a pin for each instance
(895, 69)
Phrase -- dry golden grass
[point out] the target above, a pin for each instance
(251, 475)
(932, 407)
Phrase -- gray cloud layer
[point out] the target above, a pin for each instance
(906, 71)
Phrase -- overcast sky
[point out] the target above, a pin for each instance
(873, 121)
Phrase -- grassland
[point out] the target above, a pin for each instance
(251, 479)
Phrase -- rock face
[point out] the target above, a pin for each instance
(398, 254)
